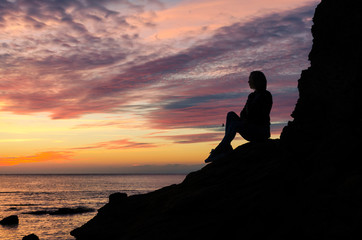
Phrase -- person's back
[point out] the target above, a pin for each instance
(256, 116)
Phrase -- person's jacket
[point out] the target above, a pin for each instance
(257, 108)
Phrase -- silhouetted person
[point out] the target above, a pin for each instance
(253, 124)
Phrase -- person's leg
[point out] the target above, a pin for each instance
(232, 126)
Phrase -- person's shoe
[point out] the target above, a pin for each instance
(212, 156)
(216, 154)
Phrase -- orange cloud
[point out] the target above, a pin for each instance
(39, 157)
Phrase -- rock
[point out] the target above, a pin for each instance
(11, 220)
(118, 197)
(63, 211)
(31, 237)
(329, 105)
(208, 198)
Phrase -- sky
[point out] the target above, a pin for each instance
(139, 86)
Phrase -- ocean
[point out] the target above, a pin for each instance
(34, 197)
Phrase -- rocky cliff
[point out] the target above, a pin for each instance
(329, 105)
(307, 185)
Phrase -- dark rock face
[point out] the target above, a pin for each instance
(325, 136)
(307, 185)
(329, 108)
(223, 199)
(11, 220)
(31, 237)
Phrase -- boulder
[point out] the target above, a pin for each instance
(11, 220)
(31, 237)
(117, 197)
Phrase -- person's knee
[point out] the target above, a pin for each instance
(233, 121)
(232, 115)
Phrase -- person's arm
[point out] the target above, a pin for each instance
(259, 108)
(245, 111)
(254, 105)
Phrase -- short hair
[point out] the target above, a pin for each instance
(259, 80)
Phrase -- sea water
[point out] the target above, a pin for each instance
(24, 194)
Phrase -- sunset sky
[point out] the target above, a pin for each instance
(125, 86)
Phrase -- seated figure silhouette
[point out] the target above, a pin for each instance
(253, 124)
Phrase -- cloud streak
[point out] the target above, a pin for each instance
(192, 138)
(39, 157)
(118, 144)
(68, 154)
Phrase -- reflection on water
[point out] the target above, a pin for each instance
(21, 194)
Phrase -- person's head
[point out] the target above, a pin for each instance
(257, 80)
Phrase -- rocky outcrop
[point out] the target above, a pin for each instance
(329, 108)
(254, 193)
(231, 197)
(307, 185)
(31, 237)
(325, 136)
(10, 220)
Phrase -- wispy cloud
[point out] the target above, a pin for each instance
(192, 138)
(118, 144)
(68, 154)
